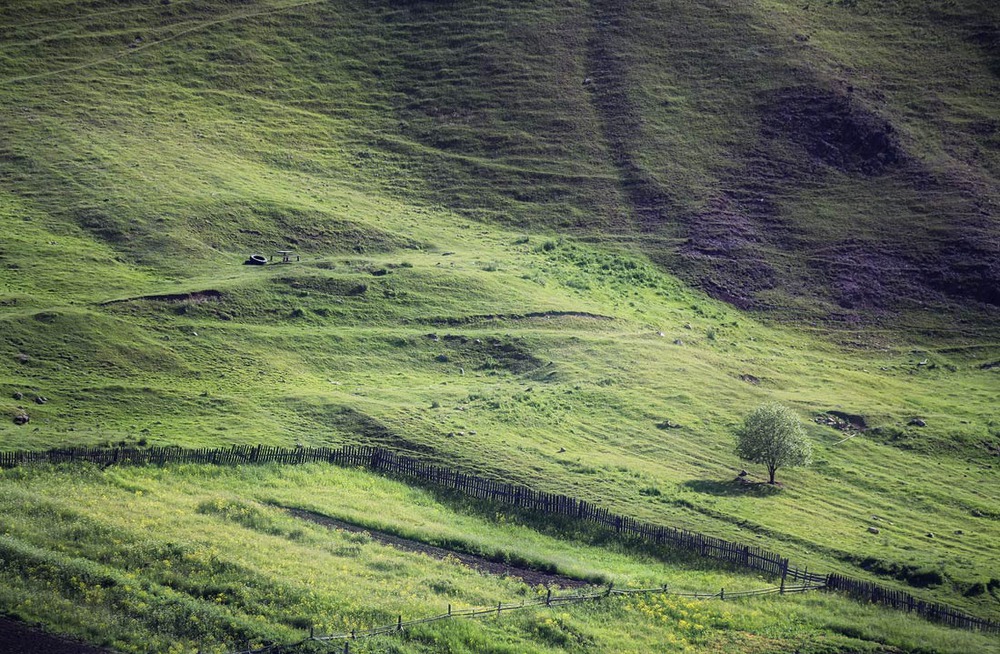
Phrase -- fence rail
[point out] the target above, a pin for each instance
(385, 461)
(549, 600)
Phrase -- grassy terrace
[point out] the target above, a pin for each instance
(509, 270)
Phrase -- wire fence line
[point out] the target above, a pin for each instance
(400, 625)
(387, 462)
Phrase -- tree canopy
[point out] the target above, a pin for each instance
(773, 435)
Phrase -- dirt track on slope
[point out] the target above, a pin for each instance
(484, 565)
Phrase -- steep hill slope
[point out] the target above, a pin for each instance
(532, 236)
(821, 157)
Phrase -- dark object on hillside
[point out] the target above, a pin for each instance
(843, 421)
(666, 424)
(975, 589)
(285, 256)
(41, 399)
(917, 422)
(22, 419)
(255, 260)
(18, 395)
(742, 473)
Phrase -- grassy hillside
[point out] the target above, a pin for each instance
(531, 239)
(204, 560)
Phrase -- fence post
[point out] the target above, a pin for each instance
(498, 609)
(722, 594)
(781, 591)
(548, 596)
(449, 609)
(399, 623)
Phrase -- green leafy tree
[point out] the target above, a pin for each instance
(773, 435)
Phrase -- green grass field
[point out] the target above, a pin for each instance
(532, 237)
(201, 558)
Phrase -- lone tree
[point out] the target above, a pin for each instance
(773, 435)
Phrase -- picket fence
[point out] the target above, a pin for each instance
(868, 591)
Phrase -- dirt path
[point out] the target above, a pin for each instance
(529, 576)
(18, 638)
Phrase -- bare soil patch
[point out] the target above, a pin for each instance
(832, 128)
(18, 638)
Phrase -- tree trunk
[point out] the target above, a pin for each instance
(771, 470)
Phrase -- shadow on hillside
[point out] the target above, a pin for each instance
(733, 488)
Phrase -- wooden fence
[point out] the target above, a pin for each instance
(867, 591)
(385, 461)
(400, 625)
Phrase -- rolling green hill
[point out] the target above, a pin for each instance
(566, 244)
